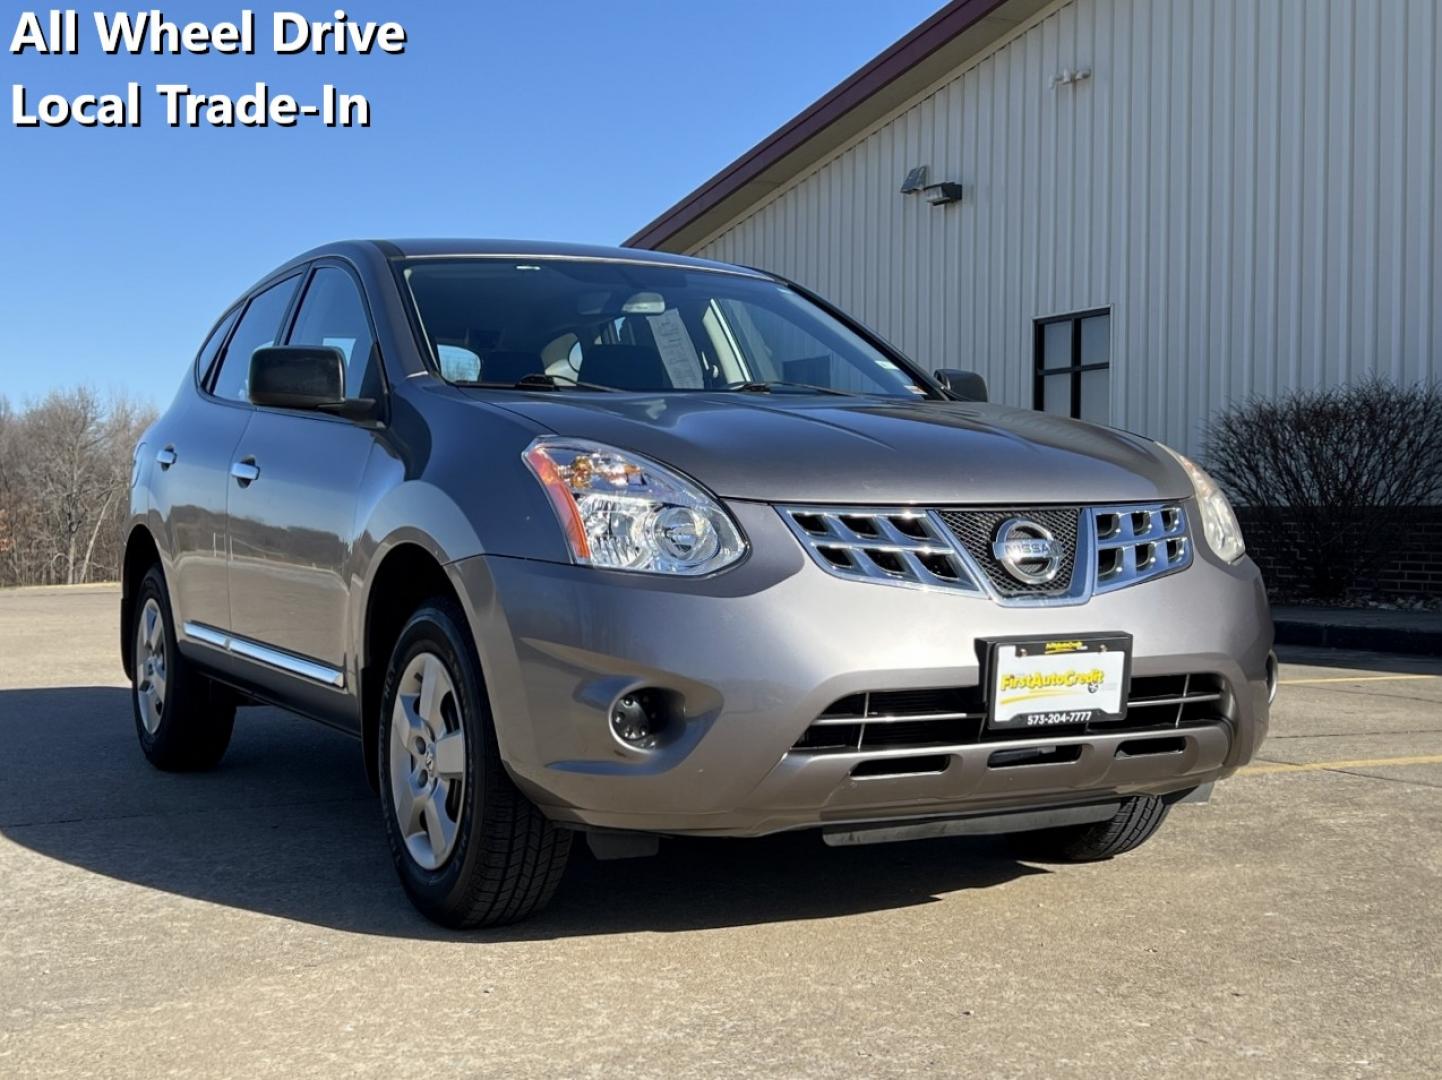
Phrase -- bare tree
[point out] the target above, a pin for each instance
(7, 527)
(64, 478)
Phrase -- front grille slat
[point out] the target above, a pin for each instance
(893, 547)
(1137, 543)
(897, 719)
(915, 719)
(1179, 700)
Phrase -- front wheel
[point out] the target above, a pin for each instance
(1131, 826)
(470, 849)
(184, 721)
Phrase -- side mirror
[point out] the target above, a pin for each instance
(298, 377)
(966, 385)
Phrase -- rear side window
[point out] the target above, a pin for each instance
(212, 345)
(259, 327)
(333, 314)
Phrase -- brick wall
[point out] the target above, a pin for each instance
(1412, 568)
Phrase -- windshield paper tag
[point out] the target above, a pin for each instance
(677, 351)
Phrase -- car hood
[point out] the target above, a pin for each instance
(866, 451)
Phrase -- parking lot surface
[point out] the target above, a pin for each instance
(247, 922)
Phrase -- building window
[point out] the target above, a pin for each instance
(1073, 365)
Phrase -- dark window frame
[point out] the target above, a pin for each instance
(293, 315)
(1040, 373)
(300, 275)
(228, 322)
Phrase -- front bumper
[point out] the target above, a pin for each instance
(760, 651)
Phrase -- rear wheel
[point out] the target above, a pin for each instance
(1130, 827)
(184, 721)
(470, 849)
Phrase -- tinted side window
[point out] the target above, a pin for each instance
(259, 327)
(212, 345)
(333, 314)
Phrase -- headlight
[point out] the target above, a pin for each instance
(623, 512)
(1219, 520)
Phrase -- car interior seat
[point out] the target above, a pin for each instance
(626, 367)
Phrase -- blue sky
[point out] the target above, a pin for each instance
(536, 119)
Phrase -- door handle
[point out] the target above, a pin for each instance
(165, 458)
(245, 471)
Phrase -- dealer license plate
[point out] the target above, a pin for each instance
(1040, 683)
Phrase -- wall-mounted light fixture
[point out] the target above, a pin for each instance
(938, 194)
(943, 193)
(1068, 77)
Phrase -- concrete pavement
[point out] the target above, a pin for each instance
(247, 922)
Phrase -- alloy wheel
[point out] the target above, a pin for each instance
(428, 760)
(150, 665)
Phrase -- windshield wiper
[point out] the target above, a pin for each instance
(766, 386)
(557, 381)
(536, 381)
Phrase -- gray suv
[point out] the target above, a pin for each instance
(626, 544)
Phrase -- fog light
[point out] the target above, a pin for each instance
(629, 720)
(640, 717)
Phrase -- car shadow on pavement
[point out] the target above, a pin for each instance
(286, 826)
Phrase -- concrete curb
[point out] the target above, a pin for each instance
(1411, 641)
(40, 590)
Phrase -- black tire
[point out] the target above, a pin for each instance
(507, 858)
(1130, 827)
(192, 725)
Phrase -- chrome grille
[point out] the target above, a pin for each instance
(1103, 548)
(956, 716)
(976, 529)
(1134, 543)
(897, 547)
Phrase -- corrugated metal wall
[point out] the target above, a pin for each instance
(1252, 186)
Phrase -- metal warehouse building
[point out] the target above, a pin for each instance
(1133, 211)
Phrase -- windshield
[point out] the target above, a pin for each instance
(620, 326)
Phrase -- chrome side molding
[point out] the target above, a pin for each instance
(265, 654)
